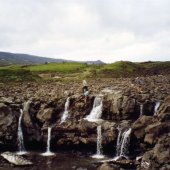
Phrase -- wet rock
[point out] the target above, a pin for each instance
(149, 138)
(139, 126)
(106, 166)
(45, 114)
(8, 126)
(164, 111)
(148, 108)
(157, 136)
(84, 134)
(30, 125)
(158, 157)
(80, 107)
(16, 159)
(121, 106)
(161, 151)
(155, 131)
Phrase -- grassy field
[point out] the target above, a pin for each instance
(81, 70)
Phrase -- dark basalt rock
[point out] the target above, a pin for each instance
(121, 105)
(8, 127)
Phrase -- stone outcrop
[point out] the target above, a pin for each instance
(155, 138)
(121, 105)
(8, 126)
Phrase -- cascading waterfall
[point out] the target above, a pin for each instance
(20, 136)
(99, 155)
(123, 143)
(20, 133)
(118, 145)
(156, 107)
(96, 112)
(65, 114)
(141, 109)
(48, 152)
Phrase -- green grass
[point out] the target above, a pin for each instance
(80, 70)
(118, 69)
(58, 67)
(159, 64)
(121, 66)
(8, 74)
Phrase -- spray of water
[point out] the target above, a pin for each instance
(96, 112)
(48, 151)
(99, 155)
(156, 107)
(123, 140)
(21, 146)
(20, 136)
(65, 114)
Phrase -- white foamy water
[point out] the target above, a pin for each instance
(48, 152)
(65, 114)
(96, 113)
(21, 146)
(123, 141)
(118, 144)
(99, 155)
(20, 136)
(156, 107)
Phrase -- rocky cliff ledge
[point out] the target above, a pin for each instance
(143, 107)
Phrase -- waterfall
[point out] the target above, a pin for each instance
(156, 107)
(48, 152)
(141, 109)
(20, 133)
(118, 145)
(99, 155)
(96, 112)
(65, 114)
(20, 136)
(123, 141)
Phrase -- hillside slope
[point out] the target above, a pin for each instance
(12, 58)
(78, 70)
(7, 58)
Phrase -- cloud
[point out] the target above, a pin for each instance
(109, 30)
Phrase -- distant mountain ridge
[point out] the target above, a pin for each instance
(7, 58)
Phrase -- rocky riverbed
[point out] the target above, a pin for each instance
(144, 107)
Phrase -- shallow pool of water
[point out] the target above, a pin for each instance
(61, 161)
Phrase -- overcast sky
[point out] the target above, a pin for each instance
(109, 30)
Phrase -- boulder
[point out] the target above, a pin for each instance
(161, 151)
(138, 127)
(121, 106)
(45, 114)
(106, 166)
(8, 126)
(158, 157)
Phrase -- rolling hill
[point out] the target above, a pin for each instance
(7, 58)
(15, 58)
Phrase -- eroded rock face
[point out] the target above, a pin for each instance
(155, 138)
(106, 166)
(8, 126)
(83, 135)
(30, 125)
(158, 157)
(80, 107)
(121, 105)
